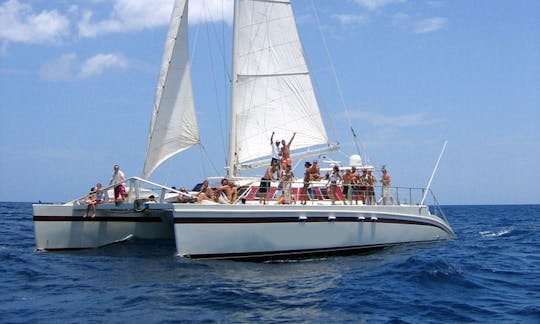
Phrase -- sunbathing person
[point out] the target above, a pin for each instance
(206, 193)
(228, 189)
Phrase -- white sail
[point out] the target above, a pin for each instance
(174, 123)
(272, 89)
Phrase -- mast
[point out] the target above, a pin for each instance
(232, 160)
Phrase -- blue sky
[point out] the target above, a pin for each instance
(78, 78)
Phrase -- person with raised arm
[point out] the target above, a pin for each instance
(286, 152)
(276, 151)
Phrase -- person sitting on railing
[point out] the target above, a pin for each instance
(386, 190)
(100, 195)
(90, 202)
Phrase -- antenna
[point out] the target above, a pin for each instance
(433, 173)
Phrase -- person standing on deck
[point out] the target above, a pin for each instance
(264, 186)
(307, 179)
(286, 152)
(355, 180)
(118, 180)
(287, 178)
(276, 150)
(371, 190)
(386, 190)
(333, 180)
(315, 171)
(347, 186)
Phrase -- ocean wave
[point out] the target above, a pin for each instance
(435, 273)
(491, 277)
(502, 232)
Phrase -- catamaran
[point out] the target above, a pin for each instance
(270, 78)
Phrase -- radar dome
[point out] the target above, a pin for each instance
(355, 160)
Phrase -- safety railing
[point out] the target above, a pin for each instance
(368, 195)
(135, 191)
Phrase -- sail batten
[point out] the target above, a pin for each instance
(174, 125)
(270, 75)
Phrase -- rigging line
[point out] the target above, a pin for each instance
(227, 71)
(203, 150)
(222, 44)
(336, 80)
(213, 68)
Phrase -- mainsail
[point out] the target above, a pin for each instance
(272, 89)
(174, 123)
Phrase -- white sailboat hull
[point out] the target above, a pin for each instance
(60, 227)
(263, 232)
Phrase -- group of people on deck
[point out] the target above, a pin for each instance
(281, 166)
(96, 195)
(355, 186)
(225, 192)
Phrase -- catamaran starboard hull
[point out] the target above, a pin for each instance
(255, 232)
(63, 227)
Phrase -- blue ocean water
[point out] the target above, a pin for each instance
(491, 273)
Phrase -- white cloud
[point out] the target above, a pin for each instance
(97, 64)
(430, 25)
(135, 15)
(422, 26)
(401, 19)
(376, 4)
(19, 24)
(348, 19)
(69, 66)
(60, 69)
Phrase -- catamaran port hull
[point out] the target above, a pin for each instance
(256, 232)
(63, 227)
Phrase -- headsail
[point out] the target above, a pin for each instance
(174, 123)
(272, 89)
